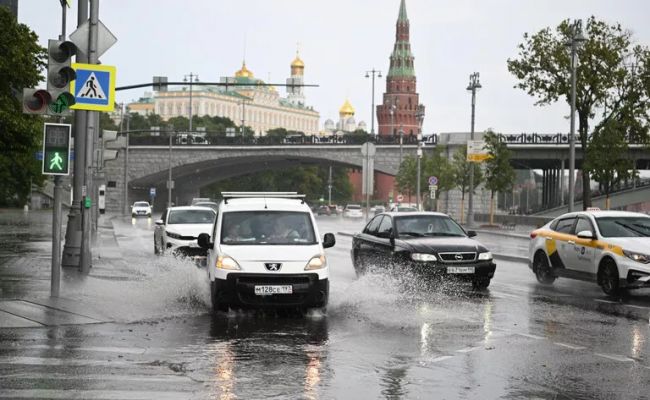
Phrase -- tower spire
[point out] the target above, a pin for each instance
(402, 11)
(401, 59)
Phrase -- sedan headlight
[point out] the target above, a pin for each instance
(225, 262)
(638, 257)
(173, 235)
(423, 257)
(317, 262)
(485, 256)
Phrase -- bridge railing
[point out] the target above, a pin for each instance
(534, 138)
(188, 139)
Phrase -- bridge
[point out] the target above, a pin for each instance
(196, 164)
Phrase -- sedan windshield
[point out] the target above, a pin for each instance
(191, 217)
(267, 228)
(427, 225)
(624, 226)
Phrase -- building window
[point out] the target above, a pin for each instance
(111, 184)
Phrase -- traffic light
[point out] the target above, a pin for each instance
(108, 154)
(59, 76)
(35, 101)
(56, 149)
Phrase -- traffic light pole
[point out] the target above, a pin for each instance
(72, 248)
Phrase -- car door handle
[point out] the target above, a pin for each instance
(571, 242)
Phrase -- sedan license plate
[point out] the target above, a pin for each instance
(460, 270)
(267, 290)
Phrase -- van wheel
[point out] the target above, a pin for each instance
(542, 269)
(608, 278)
(481, 283)
(216, 305)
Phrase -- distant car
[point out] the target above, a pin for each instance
(179, 227)
(324, 210)
(141, 209)
(609, 248)
(210, 204)
(200, 200)
(379, 209)
(403, 209)
(425, 243)
(353, 211)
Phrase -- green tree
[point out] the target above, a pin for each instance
(436, 164)
(406, 177)
(499, 174)
(607, 156)
(461, 169)
(606, 86)
(20, 135)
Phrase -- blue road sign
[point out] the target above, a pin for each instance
(433, 180)
(94, 87)
(152, 192)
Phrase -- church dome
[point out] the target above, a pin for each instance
(329, 125)
(346, 109)
(244, 72)
(297, 63)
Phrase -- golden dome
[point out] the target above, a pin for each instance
(244, 72)
(297, 63)
(346, 109)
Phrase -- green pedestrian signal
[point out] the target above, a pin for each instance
(56, 149)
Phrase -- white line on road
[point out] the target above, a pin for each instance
(508, 295)
(615, 357)
(61, 362)
(99, 377)
(93, 394)
(119, 350)
(606, 301)
(441, 358)
(528, 335)
(468, 349)
(570, 346)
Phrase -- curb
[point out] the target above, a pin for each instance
(507, 234)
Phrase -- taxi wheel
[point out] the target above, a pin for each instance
(543, 270)
(609, 278)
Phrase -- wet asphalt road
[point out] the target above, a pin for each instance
(382, 337)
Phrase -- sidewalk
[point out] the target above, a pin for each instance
(25, 272)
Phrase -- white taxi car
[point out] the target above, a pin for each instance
(265, 251)
(178, 228)
(141, 208)
(611, 248)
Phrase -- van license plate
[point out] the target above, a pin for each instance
(266, 290)
(460, 270)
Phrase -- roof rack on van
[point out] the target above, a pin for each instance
(272, 195)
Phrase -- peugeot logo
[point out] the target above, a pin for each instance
(459, 257)
(273, 266)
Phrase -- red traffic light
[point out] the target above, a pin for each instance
(35, 101)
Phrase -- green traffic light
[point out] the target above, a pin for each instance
(56, 162)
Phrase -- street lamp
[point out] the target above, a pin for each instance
(419, 114)
(372, 112)
(473, 86)
(577, 38)
(192, 78)
(401, 140)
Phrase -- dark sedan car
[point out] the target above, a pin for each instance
(429, 243)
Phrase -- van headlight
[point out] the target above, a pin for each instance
(423, 257)
(638, 257)
(485, 256)
(316, 262)
(225, 262)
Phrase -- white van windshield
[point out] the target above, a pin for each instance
(267, 228)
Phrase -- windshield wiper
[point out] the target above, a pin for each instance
(631, 227)
(416, 234)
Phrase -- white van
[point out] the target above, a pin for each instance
(265, 251)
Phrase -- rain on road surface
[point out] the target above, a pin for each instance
(382, 337)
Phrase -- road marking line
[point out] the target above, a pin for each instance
(119, 350)
(635, 306)
(99, 377)
(615, 357)
(606, 301)
(441, 358)
(570, 346)
(528, 335)
(60, 362)
(512, 296)
(94, 394)
(468, 349)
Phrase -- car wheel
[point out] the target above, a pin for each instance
(156, 249)
(216, 305)
(481, 283)
(542, 269)
(608, 278)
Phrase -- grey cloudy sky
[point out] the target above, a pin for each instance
(339, 41)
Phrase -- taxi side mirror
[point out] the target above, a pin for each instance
(159, 222)
(204, 241)
(586, 235)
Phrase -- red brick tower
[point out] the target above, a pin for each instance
(400, 96)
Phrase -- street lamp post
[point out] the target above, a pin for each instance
(372, 112)
(420, 117)
(473, 86)
(169, 181)
(401, 140)
(192, 78)
(577, 39)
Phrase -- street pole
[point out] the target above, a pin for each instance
(192, 77)
(126, 164)
(73, 233)
(420, 117)
(243, 118)
(93, 117)
(169, 181)
(576, 39)
(474, 84)
(329, 188)
(401, 136)
(372, 111)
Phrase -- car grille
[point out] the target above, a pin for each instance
(457, 257)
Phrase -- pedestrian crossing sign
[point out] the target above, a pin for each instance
(94, 87)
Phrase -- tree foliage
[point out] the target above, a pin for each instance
(20, 67)
(499, 174)
(433, 163)
(461, 169)
(612, 78)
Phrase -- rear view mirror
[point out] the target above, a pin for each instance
(329, 240)
(204, 241)
(585, 235)
(471, 234)
(159, 222)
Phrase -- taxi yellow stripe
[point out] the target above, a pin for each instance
(551, 246)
